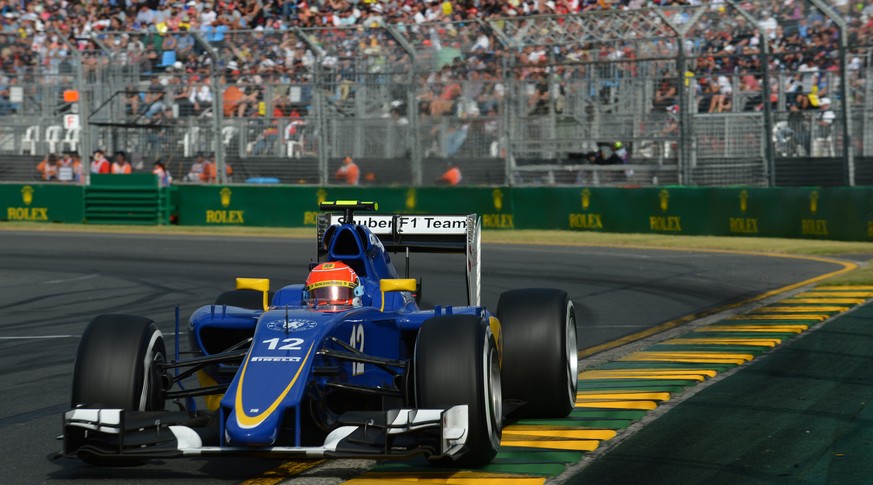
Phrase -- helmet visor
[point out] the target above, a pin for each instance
(331, 295)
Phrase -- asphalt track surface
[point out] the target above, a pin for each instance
(54, 283)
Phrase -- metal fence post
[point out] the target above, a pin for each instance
(503, 136)
(687, 150)
(320, 116)
(769, 151)
(217, 108)
(85, 145)
(845, 107)
(413, 143)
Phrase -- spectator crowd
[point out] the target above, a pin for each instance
(465, 75)
(155, 35)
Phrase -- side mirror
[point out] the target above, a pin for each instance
(257, 284)
(399, 284)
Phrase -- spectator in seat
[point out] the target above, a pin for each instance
(69, 168)
(454, 137)
(267, 138)
(799, 126)
(195, 174)
(185, 44)
(210, 172)
(154, 98)
(349, 172)
(99, 164)
(199, 95)
(236, 101)
(164, 177)
(452, 176)
(132, 100)
(665, 96)
(121, 165)
(48, 167)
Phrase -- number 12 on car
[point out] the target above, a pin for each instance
(357, 341)
(290, 343)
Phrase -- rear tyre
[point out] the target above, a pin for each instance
(540, 356)
(116, 368)
(249, 299)
(456, 362)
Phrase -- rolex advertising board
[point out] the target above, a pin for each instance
(839, 213)
(42, 203)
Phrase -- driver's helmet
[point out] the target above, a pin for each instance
(333, 287)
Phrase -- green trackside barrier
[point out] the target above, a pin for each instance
(126, 199)
(780, 213)
(296, 206)
(814, 213)
(842, 213)
(655, 210)
(43, 202)
(242, 205)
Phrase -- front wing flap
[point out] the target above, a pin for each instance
(396, 433)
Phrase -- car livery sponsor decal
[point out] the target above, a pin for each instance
(276, 359)
(375, 241)
(409, 224)
(295, 325)
(357, 342)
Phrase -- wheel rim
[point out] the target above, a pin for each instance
(572, 355)
(494, 397)
(155, 388)
(492, 388)
(150, 378)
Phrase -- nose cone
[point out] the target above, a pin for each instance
(274, 376)
(261, 435)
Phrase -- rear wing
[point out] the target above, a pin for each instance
(422, 233)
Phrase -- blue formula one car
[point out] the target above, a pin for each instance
(343, 365)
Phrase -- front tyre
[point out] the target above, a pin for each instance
(456, 362)
(540, 356)
(116, 364)
(117, 367)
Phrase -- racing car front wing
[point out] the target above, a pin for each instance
(396, 433)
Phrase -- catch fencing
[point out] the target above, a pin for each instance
(537, 100)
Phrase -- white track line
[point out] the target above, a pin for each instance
(78, 278)
(28, 337)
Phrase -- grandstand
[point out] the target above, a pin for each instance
(518, 92)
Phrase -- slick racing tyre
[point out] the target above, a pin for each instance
(248, 299)
(540, 359)
(115, 364)
(115, 368)
(456, 362)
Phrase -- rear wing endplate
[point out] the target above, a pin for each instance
(422, 233)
